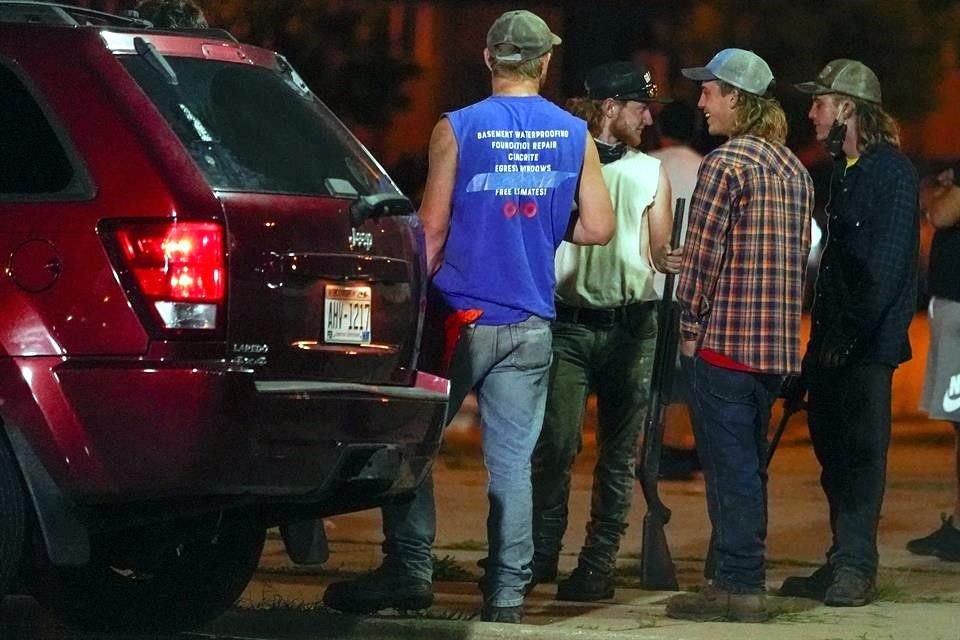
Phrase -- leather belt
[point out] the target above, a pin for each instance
(603, 317)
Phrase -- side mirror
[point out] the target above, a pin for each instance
(377, 205)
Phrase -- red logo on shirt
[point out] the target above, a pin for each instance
(529, 209)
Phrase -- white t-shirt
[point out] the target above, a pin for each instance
(618, 273)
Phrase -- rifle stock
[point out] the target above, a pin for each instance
(657, 570)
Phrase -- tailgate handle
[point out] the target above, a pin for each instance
(378, 205)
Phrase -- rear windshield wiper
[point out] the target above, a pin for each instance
(155, 60)
(148, 51)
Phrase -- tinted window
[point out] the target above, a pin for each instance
(249, 129)
(32, 160)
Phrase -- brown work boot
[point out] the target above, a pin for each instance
(714, 603)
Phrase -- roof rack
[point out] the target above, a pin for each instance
(34, 11)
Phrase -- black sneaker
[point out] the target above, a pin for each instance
(506, 615)
(813, 586)
(850, 588)
(585, 585)
(943, 543)
(378, 590)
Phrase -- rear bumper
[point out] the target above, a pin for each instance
(174, 432)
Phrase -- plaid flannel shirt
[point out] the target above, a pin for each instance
(741, 283)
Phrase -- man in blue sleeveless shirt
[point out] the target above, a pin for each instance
(504, 175)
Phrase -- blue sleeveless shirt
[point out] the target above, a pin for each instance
(517, 172)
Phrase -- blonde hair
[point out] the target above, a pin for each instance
(760, 116)
(875, 125)
(527, 70)
(587, 109)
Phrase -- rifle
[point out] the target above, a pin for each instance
(793, 392)
(657, 571)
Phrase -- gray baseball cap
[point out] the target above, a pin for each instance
(518, 36)
(847, 77)
(743, 69)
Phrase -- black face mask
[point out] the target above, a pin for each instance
(610, 152)
(834, 142)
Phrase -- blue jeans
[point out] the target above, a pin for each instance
(508, 367)
(730, 411)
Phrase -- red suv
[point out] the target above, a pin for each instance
(209, 319)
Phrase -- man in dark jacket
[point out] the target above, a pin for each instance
(866, 297)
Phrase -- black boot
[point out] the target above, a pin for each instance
(586, 585)
(544, 571)
(850, 588)
(813, 586)
(378, 590)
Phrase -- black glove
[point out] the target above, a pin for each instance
(793, 391)
(836, 348)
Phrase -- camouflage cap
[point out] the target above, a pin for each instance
(846, 77)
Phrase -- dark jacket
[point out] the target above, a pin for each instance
(866, 290)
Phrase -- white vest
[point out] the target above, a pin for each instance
(618, 273)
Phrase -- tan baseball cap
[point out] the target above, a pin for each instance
(846, 77)
(518, 36)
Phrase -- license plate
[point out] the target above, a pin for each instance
(346, 314)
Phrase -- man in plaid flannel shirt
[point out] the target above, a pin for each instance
(740, 296)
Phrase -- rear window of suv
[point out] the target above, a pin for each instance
(252, 129)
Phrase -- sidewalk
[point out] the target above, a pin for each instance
(920, 597)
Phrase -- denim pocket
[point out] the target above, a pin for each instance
(533, 344)
(726, 384)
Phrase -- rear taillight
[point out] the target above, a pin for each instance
(179, 268)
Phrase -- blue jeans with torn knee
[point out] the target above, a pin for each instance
(508, 367)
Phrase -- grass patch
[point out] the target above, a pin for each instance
(804, 617)
(893, 592)
(447, 569)
(280, 604)
(448, 614)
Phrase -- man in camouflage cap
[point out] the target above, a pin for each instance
(866, 297)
